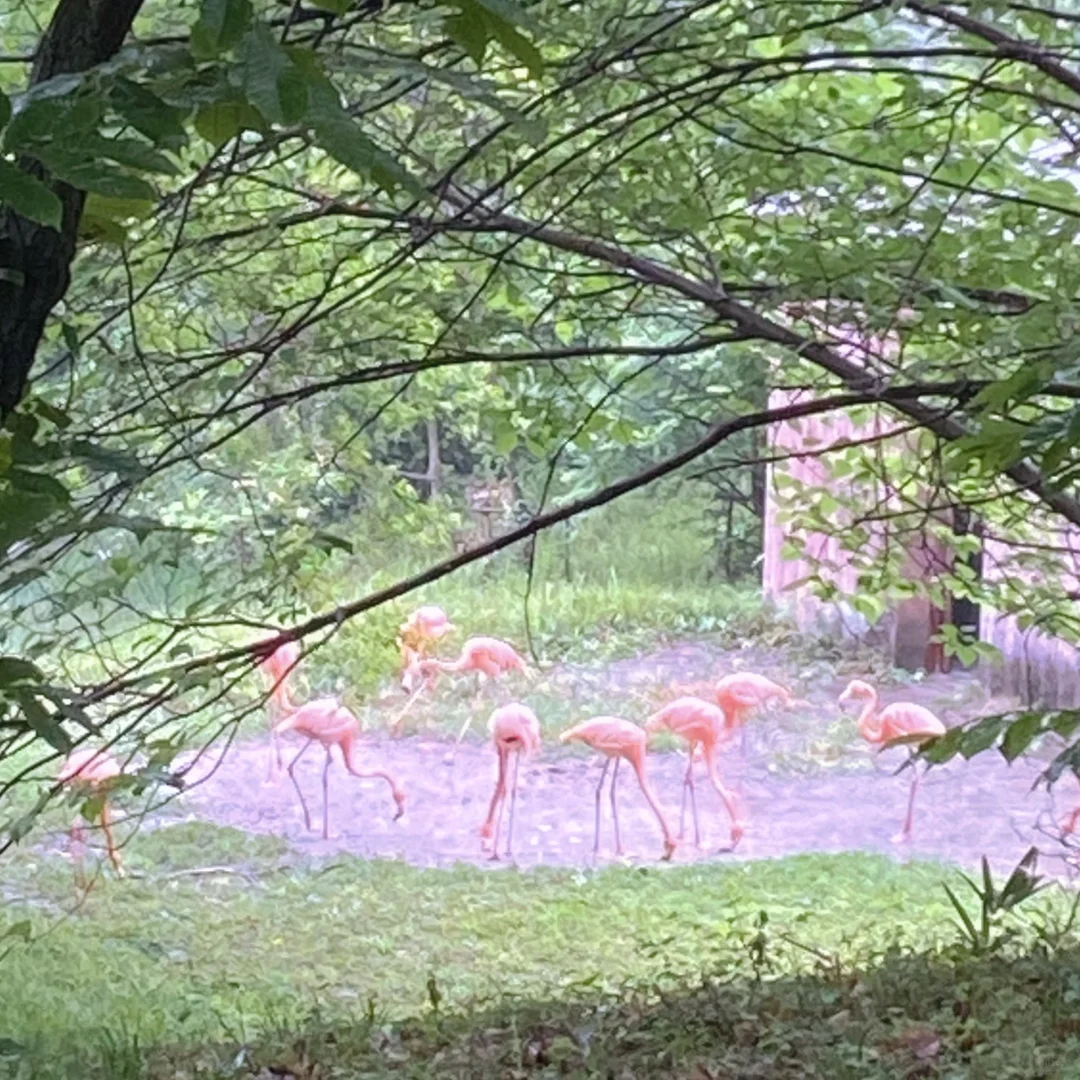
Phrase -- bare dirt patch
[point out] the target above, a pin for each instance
(807, 783)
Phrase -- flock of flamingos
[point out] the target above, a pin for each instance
(705, 724)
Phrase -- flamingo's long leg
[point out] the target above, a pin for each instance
(326, 796)
(497, 798)
(688, 785)
(909, 819)
(615, 807)
(274, 751)
(292, 776)
(599, 796)
(110, 844)
(78, 846)
(395, 724)
(728, 797)
(464, 727)
(513, 801)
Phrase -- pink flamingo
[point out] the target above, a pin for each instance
(706, 725)
(515, 730)
(91, 772)
(328, 722)
(742, 694)
(279, 666)
(421, 630)
(617, 739)
(901, 722)
(487, 656)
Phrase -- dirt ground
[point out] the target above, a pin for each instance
(806, 784)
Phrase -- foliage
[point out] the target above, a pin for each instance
(648, 971)
(333, 275)
(1012, 734)
(984, 932)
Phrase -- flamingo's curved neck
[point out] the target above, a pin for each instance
(869, 724)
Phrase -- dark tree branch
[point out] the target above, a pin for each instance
(761, 328)
(1007, 46)
(898, 397)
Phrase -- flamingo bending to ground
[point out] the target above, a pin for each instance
(706, 725)
(617, 739)
(328, 722)
(487, 656)
(91, 772)
(900, 723)
(279, 666)
(514, 730)
(741, 695)
(416, 635)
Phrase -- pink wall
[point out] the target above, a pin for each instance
(1035, 667)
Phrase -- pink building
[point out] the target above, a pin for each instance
(812, 457)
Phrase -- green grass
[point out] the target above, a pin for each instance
(380, 969)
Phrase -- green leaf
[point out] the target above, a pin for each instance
(519, 46)
(221, 121)
(506, 439)
(480, 21)
(108, 459)
(39, 484)
(471, 33)
(21, 513)
(328, 542)
(982, 735)
(220, 26)
(102, 229)
(292, 94)
(339, 135)
(262, 63)
(112, 209)
(45, 409)
(43, 722)
(965, 918)
(506, 11)
(5, 109)
(91, 808)
(133, 153)
(96, 176)
(338, 7)
(1020, 734)
(28, 196)
(23, 930)
(161, 123)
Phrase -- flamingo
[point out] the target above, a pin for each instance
(706, 724)
(616, 739)
(91, 772)
(489, 657)
(328, 722)
(421, 630)
(279, 666)
(740, 696)
(901, 722)
(514, 730)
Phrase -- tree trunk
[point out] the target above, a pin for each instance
(35, 260)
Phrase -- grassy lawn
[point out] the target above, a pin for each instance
(839, 966)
